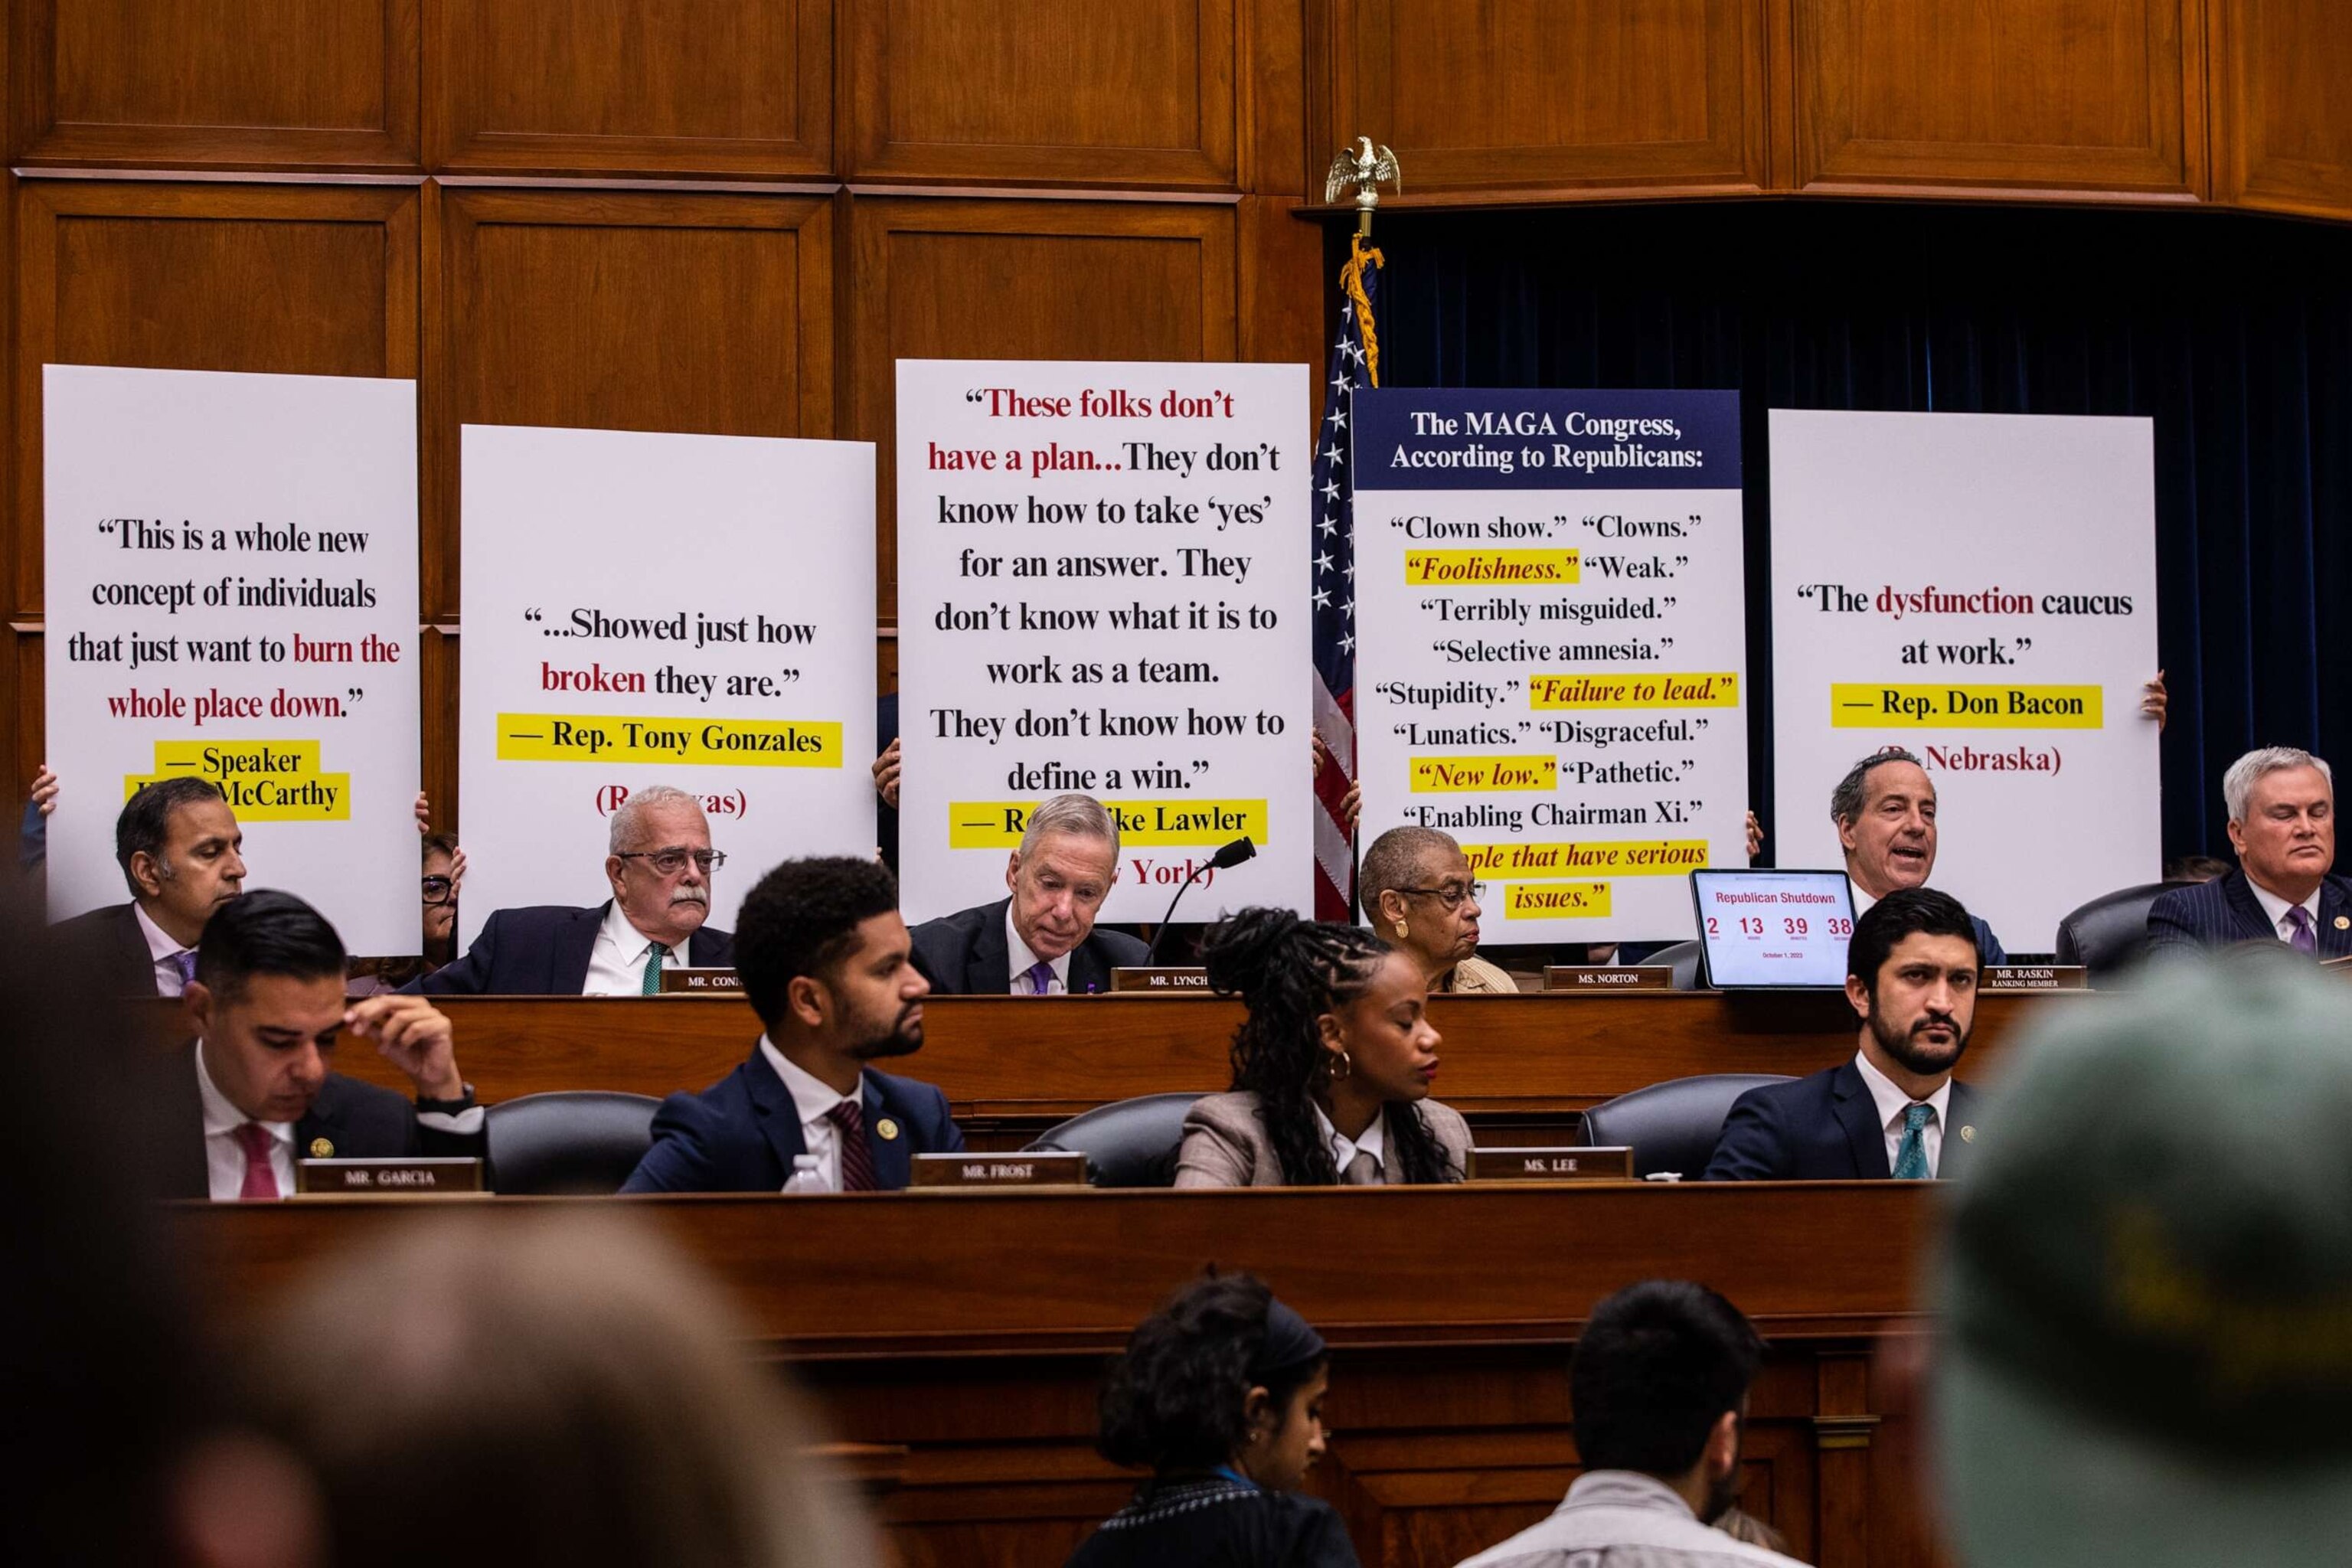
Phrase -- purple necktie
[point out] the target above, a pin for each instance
(2303, 940)
(185, 959)
(1040, 976)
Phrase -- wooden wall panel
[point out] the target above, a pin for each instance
(1535, 98)
(2066, 96)
(1001, 279)
(1140, 94)
(2282, 122)
(722, 87)
(260, 84)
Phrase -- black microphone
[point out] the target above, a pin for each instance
(1232, 854)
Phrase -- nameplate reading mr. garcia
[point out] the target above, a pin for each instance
(386, 1178)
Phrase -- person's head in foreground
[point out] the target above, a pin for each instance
(1062, 873)
(1219, 1396)
(1911, 974)
(825, 961)
(182, 854)
(503, 1391)
(1337, 1030)
(659, 863)
(2147, 1293)
(1420, 895)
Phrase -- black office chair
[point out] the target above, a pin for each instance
(1683, 957)
(2109, 936)
(1672, 1126)
(574, 1141)
(1128, 1143)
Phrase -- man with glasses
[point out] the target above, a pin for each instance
(1420, 897)
(660, 867)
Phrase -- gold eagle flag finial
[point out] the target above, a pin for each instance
(1365, 169)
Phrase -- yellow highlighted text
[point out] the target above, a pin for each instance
(1149, 823)
(1643, 689)
(1484, 568)
(1555, 901)
(1859, 705)
(265, 781)
(703, 742)
(1623, 856)
(1445, 774)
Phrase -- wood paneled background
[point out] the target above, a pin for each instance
(732, 215)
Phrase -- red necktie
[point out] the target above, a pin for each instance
(848, 1119)
(260, 1180)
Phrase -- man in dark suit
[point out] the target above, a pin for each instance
(1041, 942)
(660, 867)
(1884, 809)
(2281, 805)
(1896, 1109)
(827, 962)
(180, 851)
(267, 1006)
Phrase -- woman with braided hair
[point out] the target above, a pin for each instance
(1331, 1069)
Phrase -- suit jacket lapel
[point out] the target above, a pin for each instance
(133, 943)
(1959, 1132)
(992, 955)
(701, 950)
(779, 1118)
(2334, 941)
(573, 947)
(1088, 972)
(323, 1120)
(1858, 1114)
(893, 1159)
(2253, 925)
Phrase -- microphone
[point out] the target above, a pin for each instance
(1232, 854)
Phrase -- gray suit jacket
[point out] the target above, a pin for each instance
(1226, 1144)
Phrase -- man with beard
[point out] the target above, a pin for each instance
(827, 962)
(1658, 1391)
(660, 867)
(1894, 1109)
(1884, 809)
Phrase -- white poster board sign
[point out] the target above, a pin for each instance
(231, 593)
(662, 609)
(1980, 590)
(1102, 588)
(1551, 658)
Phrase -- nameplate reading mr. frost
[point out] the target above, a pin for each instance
(1609, 1164)
(386, 1178)
(1029, 1169)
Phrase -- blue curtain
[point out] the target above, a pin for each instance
(2234, 332)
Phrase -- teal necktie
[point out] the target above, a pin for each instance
(1911, 1155)
(654, 956)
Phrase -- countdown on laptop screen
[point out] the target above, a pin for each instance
(1773, 930)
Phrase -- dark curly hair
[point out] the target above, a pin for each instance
(1289, 972)
(799, 920)
(1175, 1400)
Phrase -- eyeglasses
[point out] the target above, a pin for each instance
(670, 862)
(439, 890)
(1451, 895)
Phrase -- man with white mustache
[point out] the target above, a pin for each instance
(1884, 809)
(660, 867)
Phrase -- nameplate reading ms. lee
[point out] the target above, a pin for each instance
(1568, 978)
(2035, 977)
(386, 1178)
(676, 982)
(1160, 979)
(1600, 1165)
(1039, 1169)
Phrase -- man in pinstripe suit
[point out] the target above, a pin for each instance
(2281, 805)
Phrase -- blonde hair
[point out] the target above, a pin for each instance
(512, 1390)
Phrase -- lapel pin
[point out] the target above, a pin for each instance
(2343, 922)
(320, 1149)
(887, 1129)
(1968, 1134)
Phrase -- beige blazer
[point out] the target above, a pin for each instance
(1475, 974)
(1226, 1144)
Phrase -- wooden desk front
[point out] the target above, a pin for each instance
(959, 1337)
(1014, 1061)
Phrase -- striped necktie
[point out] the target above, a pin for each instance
(1911, 1155)
(848, 1121)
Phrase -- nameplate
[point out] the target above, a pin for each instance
(1604, 1165)
(1058, 1169)
(1570, 978)
(386, 1178)
(1162, 979)
(677, 981)
(2035, 977)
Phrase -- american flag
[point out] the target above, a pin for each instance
(1355, 362)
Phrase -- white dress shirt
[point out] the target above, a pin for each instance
(1373, 1140)
(813, 1102)
(1024, 961)
(164, 950)
(1862, 900)
(617, 965)
(224, 1155)
(1892, 1102)
(2277, 908)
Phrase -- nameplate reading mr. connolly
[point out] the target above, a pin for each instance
(691, 982)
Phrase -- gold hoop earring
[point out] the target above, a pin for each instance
(1343, 1069)
(1402, 931)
